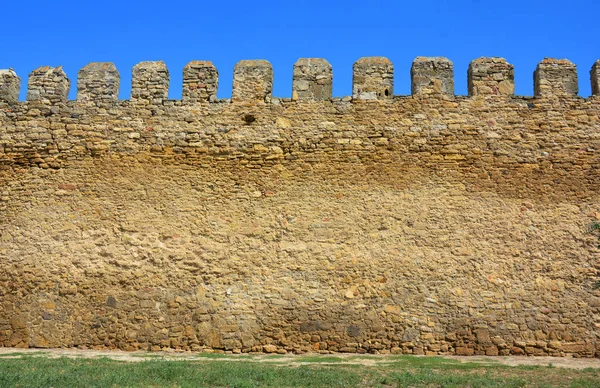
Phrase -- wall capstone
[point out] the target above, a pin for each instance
(10, 85)
(491, 76)
(595, 75)
(200, 82)
(98, 81)
(150, 83)
(432, 75)
(313, 80)
(252, 81)
(555, 77)
(373, 79)
(48, 85)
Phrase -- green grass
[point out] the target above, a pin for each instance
(220, 356)
(39, 371)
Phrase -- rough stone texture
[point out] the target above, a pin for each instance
(555, 77)
(10, 85)
(491, 76)
(98, 82)
(252, 81)
(432, 76)
(406, 225)
(313, 80)
(595, 77)
(373, 79)
(48, 85)
(150, 83)
(200, 82)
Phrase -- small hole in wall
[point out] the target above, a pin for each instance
(386, 92)
(249, 119)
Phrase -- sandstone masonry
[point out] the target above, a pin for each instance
(10, 85)
(555, 77)
(433, 76)
(252, 81)
(49, 85)
(98, 82)
(150, 83)
(312, 80)
(491, 76)
(421, 224)
(373, 79)
(200, 82)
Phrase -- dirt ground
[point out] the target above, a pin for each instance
(370, 360)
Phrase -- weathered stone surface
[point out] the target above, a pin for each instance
(432, 76)
(98, 82)
(200, 82)
(555, 77)
(413, 225)
(48, 85)
(150, 83)
(313, 80)
(595, 77)
(252, 81)
(269, 348)
(10, 85)
(373, 79)
(491, 76)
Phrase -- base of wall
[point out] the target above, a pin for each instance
(362, 258)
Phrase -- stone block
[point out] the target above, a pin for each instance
(150, 83)
(10, 85)
(464, 351)
(98, 81)
(491, 76)
(252, 81)
(595, 76)
(48, 85)
(313, 80)
(200, 82)
(432, 76)
(373, 79)
(555, 77)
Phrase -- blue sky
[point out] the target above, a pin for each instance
(74, 33)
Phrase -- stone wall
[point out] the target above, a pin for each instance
(424, 224)
(373, 79)
(10, 85)
(491, 76)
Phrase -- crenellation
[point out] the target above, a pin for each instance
(313, 80)
(150, 83)
(432, 76)
(252, 81)
(373, 79)
(48, 85)
(491, 76)
(98, 82)
(200, 82)
(10, 85)
(555, 78)
(595, 77)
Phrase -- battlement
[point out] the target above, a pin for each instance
(255, 128)
(373, 79)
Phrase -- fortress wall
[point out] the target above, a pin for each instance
(429, 223)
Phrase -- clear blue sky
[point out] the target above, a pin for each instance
(74, 33)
